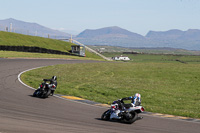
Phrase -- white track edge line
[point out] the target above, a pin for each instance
(53, 95)
(24, 72)
(77, 101)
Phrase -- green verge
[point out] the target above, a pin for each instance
(169, 88)
(13, 54)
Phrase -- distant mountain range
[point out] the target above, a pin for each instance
(112, 36)
(116, 36)
(27, 28)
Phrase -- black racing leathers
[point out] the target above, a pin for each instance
(52, 81)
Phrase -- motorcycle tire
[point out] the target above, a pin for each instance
(47, 94)
(35, 93)
(133, 119)
(106, 115)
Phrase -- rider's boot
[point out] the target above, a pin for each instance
(139, 118)
(52, 92)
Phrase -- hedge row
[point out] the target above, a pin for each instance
(32, 49)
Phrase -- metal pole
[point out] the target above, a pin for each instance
(10, 27)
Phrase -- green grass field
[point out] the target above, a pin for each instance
(170, 88)
(158, 57)
(14, 39)
(112, 49)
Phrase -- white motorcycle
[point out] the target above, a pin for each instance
(128, 115)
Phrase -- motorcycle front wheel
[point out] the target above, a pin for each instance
(35, 93)
(47, 93)
(106, 115)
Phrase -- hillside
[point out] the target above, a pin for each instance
(159, 35)
(14, 39)
(109, 31)
(189, 39)
(116, 36)
(113, 36)
(28, 28)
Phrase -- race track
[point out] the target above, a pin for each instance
(22, 113)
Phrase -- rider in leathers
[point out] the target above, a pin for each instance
(52, 81)
(136, 100)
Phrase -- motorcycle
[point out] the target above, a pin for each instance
(127, 115)
(44, 90)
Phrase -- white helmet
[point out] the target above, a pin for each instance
(137, 95)
(137, 99)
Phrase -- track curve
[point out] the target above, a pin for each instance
(22, 113)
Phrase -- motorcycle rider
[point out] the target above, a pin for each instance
(118, 106)
(53, 81)
(136, 99)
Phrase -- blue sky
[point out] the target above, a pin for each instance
(139, 16)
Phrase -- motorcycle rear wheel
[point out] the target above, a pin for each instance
(134, 116)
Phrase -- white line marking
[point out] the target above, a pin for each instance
(53, 95)
(82, 102)
(24, 72)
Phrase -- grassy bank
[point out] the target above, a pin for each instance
(14, 39)
(171, 88)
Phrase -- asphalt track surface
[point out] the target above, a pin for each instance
(22, 113)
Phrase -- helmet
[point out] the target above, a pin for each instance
(137, 99)
(137, 95)
(54, 78)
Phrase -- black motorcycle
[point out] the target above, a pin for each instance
(44, 90)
